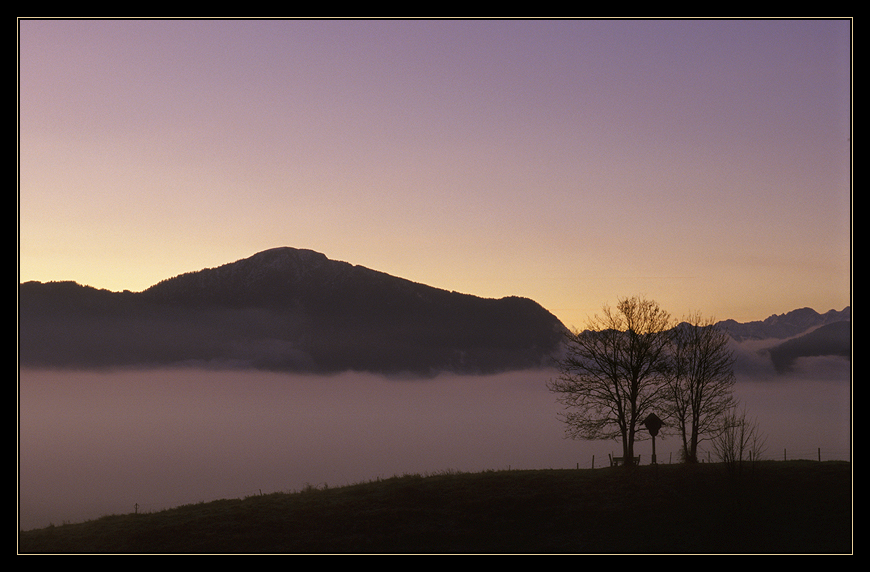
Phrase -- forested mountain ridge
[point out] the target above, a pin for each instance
(284, 309)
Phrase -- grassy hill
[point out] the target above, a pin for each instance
(769, 507)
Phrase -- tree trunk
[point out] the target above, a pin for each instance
(692, 456)
(628, 449)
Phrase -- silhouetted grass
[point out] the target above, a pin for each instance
(768, 507)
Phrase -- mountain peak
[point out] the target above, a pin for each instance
(268, 277)
(286, 253)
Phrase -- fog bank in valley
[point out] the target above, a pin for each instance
(96, 443)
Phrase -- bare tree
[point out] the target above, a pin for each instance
(740, 439)
(702, 382)
(614, 373)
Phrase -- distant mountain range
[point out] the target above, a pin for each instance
(805, 333)
(783, 326)
(288, 309)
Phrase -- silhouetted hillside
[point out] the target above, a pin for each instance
(284, 309)
(829, 340)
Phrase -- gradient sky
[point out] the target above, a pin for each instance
(704, 164)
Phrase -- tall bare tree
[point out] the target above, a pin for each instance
(614, 373)
(702, 382)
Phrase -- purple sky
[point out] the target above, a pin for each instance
(704, 164)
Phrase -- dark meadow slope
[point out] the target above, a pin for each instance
(284, 309)
(772, 507)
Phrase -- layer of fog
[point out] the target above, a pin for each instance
(92, 444)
